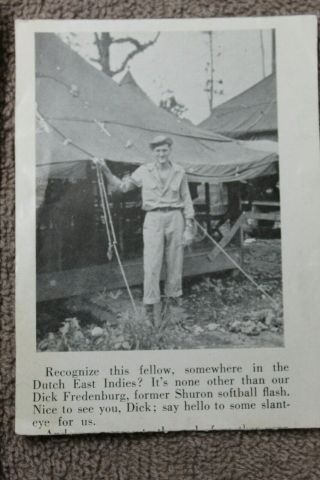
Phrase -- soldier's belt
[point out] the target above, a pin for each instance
(165, 209)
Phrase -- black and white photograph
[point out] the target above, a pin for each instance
(167, 255)
(157, 191)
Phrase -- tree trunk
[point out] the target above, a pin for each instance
(103, 44)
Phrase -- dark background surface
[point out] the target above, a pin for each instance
(277, 455)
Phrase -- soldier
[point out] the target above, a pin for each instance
(168, 222)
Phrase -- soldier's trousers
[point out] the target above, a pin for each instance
(163, 244)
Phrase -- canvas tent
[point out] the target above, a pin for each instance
(250, 115)
(130, 85)
(84, 113)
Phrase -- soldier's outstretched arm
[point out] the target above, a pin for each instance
(119, 185)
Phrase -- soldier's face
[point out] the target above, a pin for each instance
(161, 153)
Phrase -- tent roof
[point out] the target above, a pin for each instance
(253, 111)
(130, 84)
(84, 113)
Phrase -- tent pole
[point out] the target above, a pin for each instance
(207, 200)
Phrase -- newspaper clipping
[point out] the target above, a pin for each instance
(159, 284)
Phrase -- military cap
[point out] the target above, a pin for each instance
(160, 140)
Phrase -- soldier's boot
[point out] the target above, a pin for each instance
(177, 312)
(164, 315)
(149, 314)
(175, 309)
(157, 313)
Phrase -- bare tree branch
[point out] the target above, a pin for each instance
(140, 47)
(104, 41)
(136, 42)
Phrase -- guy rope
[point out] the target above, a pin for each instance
(112, 239)
(236, 264)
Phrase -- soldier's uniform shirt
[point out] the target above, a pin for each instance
(174, 193)
(167, 205)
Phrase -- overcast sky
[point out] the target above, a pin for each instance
(177, 62)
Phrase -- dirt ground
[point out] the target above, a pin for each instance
(218, 310)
